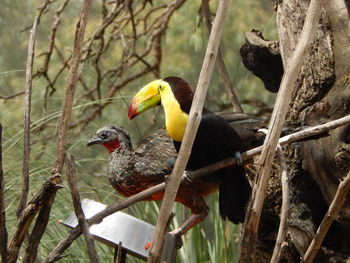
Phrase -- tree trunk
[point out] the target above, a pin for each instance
(315, 167)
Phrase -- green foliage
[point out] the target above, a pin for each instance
(183, 50)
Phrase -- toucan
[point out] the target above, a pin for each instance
(215, 141)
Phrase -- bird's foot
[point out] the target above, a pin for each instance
(238, 158)
(187, 177)
(190, 222)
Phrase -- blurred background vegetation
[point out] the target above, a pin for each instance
(182, 51)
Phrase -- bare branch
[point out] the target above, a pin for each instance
(12, 96)
(39, 227)
(71, 176)
(27, 110)
(331, 214)
(282, 230)
(75, 233)
(29, 212)
(120, 257)
(190, 134)
(250, 234)
(230, 89)
(71, 85)
(3, 231)
(47, 193)
(114, 30)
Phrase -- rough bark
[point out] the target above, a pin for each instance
(316, 167)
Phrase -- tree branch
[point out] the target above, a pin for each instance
(250, 234)
(79, 211)
(45, 197)
(282, 230)
(28, 214)
(297, 136)
(12, 96)
(3, 231)
(331, 214)
(44, 214)
(40, 226)
(195, 116)
(230, 89)
(27, 110)
(71, 86)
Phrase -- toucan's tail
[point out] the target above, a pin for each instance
(234, 194)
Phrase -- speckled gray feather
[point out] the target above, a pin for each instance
(133, 171)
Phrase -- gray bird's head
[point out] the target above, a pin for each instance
(112, 137)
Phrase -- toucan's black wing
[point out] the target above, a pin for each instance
(217, 140)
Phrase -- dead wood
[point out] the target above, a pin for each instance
(27, 111)
(292, 69)
(29, 212)
(256, 53)
(285, 209)
(56, 254)
(3, 230)
(71, 177)
(331, 214)
(322, 94)
(230, 89)
(195, 116)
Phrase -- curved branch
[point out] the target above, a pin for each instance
(328, 219)
(251, 224)
(297, 136)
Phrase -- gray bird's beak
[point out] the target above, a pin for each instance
(95, 140)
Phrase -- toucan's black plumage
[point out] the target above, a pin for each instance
(215, 141)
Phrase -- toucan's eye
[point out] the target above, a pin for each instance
(160, 88)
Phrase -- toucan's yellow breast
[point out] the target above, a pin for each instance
(175, 118)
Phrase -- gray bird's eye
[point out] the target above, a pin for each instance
(105, 134)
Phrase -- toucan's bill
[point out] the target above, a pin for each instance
(146, 98)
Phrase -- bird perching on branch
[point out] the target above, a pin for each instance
(215, 140)
(132, 171)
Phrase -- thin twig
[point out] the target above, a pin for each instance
(250, 234)
(44, 214)
(71, 86)
(28, 214)
(150, 25)
(119, 252)
(47, 193)
(195, 116)
(27, 110)
(39, 227)
(11, 96)
(71, 177)
(333, 210)
(75, 233)
(230, 89)
(282, 229)
(3, 231)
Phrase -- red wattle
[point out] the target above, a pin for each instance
(112, 146)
